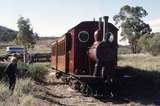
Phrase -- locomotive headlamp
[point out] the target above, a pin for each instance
(110, 37)
(83, 36)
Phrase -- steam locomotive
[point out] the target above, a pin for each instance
(86, 56)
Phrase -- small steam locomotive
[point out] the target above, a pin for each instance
(86, 56)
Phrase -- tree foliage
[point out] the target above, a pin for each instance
(25, 35)
(133, 27)
(150, 43)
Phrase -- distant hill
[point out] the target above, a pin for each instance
(7, 34)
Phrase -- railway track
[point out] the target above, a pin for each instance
(84, 90)
(88, 88)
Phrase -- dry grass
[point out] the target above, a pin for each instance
(142, 87)
(141, 61)
(21, 96)
(25, 88)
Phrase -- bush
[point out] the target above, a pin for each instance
(155, 46)
(37, 71)
(150, 43)
(23, 71)
(34, 71)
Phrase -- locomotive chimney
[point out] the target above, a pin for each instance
(105, 26)
(100, 21)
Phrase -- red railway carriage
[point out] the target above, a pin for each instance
(70, 53)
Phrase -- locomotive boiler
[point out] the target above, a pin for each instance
(85, 56)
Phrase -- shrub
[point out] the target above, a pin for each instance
(150, 43)
(155, 46)
(37, 71)
(34, 71)
(22, 70)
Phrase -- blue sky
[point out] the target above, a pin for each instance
(55, 17)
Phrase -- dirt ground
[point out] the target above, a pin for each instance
(55, 93)
(136, 92)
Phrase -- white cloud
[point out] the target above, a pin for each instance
(155, 25)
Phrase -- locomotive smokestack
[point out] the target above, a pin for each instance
(94, 19)
(105, 26)
(100, 21)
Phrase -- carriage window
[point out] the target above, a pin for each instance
(83, 36)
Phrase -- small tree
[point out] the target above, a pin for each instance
(25, 35)
(133, 27)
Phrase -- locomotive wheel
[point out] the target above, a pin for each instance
(74, 84)
(85, 89)
(58, 75)
(89, 90)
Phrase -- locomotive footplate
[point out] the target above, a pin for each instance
(89, 78)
